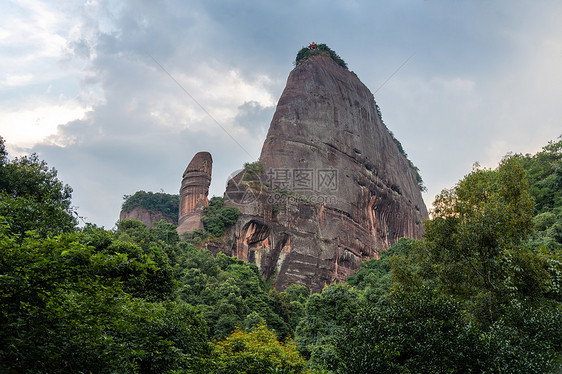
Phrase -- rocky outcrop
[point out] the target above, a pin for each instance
(148, 217)
(335, 188)
(193, 192)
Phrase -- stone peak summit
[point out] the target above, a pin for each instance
(332, 186)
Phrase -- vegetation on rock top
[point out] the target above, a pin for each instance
(320, 50)
(323, 50)
(164, 203)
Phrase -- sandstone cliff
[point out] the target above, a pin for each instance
(333, 188)
(146, 216)
(193, 192)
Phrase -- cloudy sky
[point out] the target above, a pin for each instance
(119, 95)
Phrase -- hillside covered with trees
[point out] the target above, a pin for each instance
(481, 293)
(161, 202)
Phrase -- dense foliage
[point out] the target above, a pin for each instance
(231, 293)
(32, 198)
(132, 300)
(481, 293)
(217, 217)
(87, 302)
(544, 173)
(257, 351)
(161, 202)
(321, 50)
(477, 290)
(325, 314)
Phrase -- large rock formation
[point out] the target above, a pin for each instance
(146, 216)
(335, 188)
(193, 192)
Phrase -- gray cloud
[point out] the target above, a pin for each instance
(484, 79)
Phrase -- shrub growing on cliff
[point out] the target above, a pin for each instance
(414, 168)
(216, 217)
(253, 171)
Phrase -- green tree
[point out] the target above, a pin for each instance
(325, 314)
(415, 332)
(230, 293)
(544, 173)
(374, 277)
(32, 198)
(257, 352)
(216, 217)
(64, 308)
(424, 331)
(152, 276)
(477, 231)
(476, 290)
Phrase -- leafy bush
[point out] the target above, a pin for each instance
(255, 167)
(217, 218)
(257, 351)
(253, 171)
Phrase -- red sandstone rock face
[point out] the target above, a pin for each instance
(336, 188)
(193, 192)
(148, 217)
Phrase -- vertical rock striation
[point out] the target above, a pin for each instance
(335, 188)
(193, 192)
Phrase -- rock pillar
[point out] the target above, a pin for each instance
(193, 192)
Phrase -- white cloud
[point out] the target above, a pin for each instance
(33, 29)
(32, 123)
(14, 80)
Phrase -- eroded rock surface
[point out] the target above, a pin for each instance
(193, 192)
(148, 217)
(335, 188)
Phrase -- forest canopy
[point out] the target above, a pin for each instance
(480, 293)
